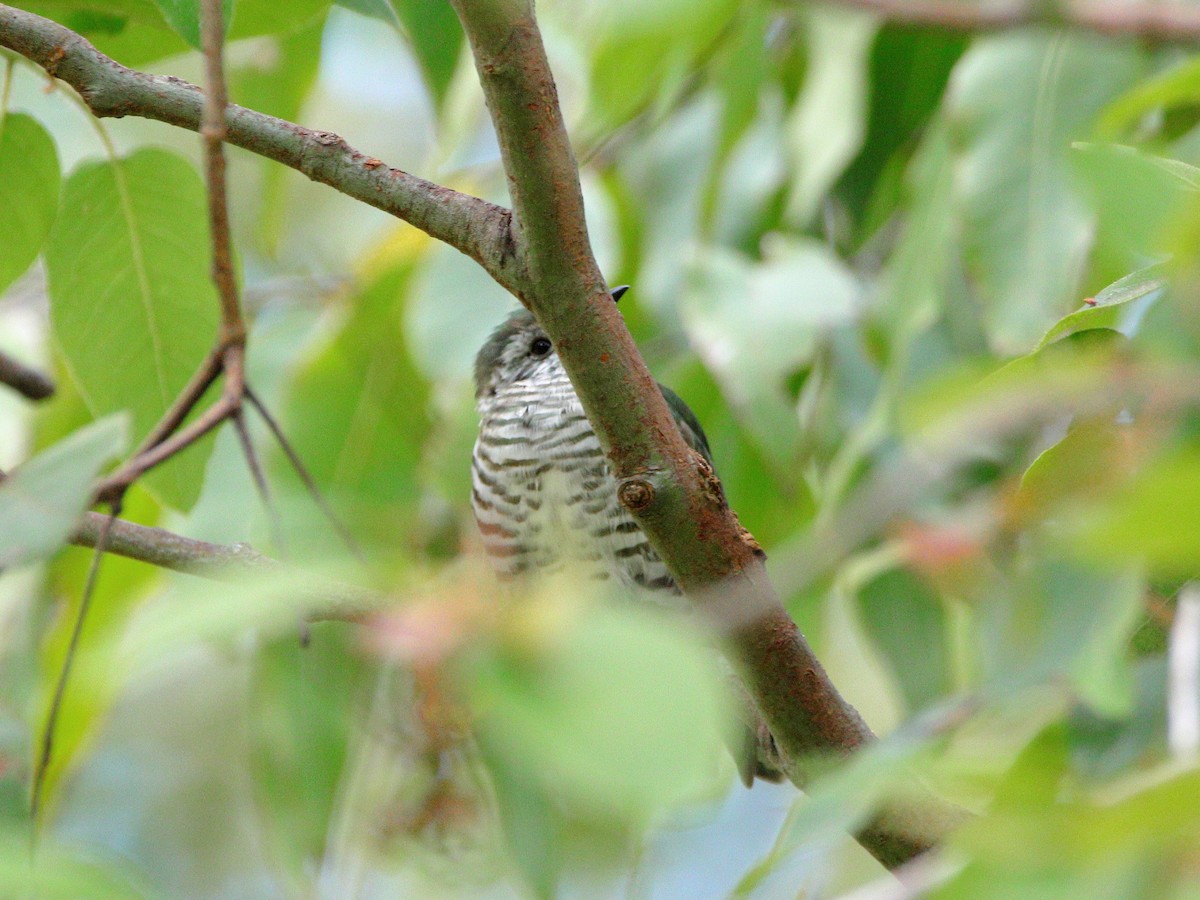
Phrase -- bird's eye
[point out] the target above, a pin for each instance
(540, 346)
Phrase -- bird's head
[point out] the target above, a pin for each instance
(519, 350)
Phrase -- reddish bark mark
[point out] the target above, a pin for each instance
(54, 58)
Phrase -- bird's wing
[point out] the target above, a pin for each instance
(689, 425)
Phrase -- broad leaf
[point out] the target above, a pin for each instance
(29, 180)
(782, 308)
(828, 122)
(243, 18)
(358, 413)
(131, 304)
(1016, 103)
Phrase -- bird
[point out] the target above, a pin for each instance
(545, 499)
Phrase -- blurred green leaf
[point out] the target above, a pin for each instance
(137, 43)
(437, 40)
(99, 671)
(1142, 203)
(1078, 846)
(619, 710)
(826, 126)
(303, 708)
(132, 306)
(1151, 519)
(1017, 102)
(42, 500)
(383, 10)
(640, 48)
(184, 17)
(103, 15)
(62, 872)
(278, 84)
(1061, 618)
(358, 415)
(1177, 85)
(29, 179)
(255, 17)
(915, 66)
(906, 620)
(786, 305)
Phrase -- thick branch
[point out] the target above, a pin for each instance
(1164, 21)
(477, 228)
(327, 599)
(679, 503)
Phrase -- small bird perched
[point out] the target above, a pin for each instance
(544, 496)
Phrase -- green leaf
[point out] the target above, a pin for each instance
(617, 708)
(1143, 202)
(184, 17)
(133, 32)
(255, 17)
(1105, 309)
(782, 307)
(642, 51)
(383, 10)
(278, 84)
(437, 40)
(827, 124)
(358, 415)
(1177, 86)
(243, 18)
(433, 32)
(42, 500)
(102, 15)
(906, 620)
(29, 180)
(1156, 518)
(1017, 102)
(131, 304)
(64, 872)
(303, 712)
(915, 65)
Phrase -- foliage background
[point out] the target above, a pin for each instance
(860, 251)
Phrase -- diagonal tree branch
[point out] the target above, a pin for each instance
(674, 495)
(475, 227)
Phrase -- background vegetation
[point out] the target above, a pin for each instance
(932, 291)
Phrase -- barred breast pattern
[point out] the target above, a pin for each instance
(543, 494)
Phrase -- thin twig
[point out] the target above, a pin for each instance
(138, 466)
(25, 380)
(60, 687)
(260, 482)
(305, 476)
(213, 130)
(208, 372)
